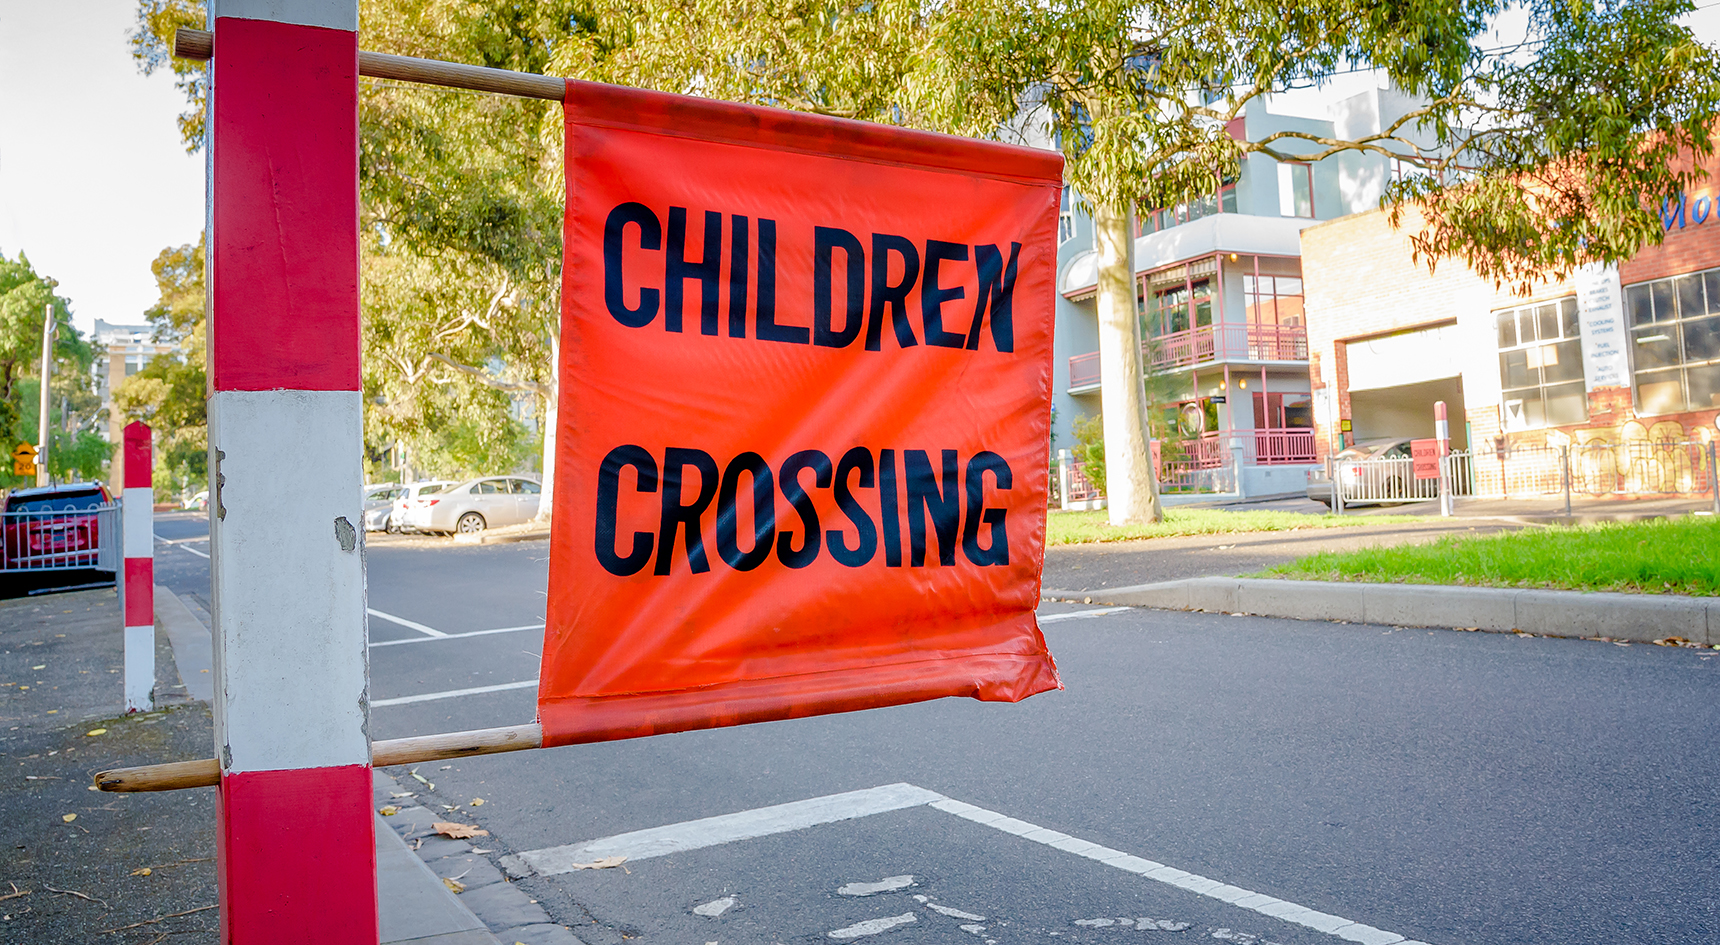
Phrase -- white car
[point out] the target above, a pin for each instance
(477, 504)
(379, 505)
(411, 502)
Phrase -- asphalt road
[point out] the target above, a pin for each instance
(1453, 788)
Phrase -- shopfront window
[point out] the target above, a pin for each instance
(1675, 342)
(1541, 365)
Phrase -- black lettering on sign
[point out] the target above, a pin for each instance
(924, 497)
(789, 477)
(677, 514)
(609, 496)
(738, 250)
(894, 297)
(856, 460)
(768, 329)
(614, 291)
(764, 513)
(889, 513)
(933, 297)
(997, 287)
(983, 462)
(677, 269)
(825, 241)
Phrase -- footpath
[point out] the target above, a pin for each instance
(1198, 573)
(139, 869)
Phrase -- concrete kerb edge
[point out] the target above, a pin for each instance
(1639, 618)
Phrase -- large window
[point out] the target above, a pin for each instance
(1675, 342)
(1175, 301)
(1271, 289)
(1223, 201)
(1541, 365)
(1296, 190)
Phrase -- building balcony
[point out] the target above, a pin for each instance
(1208, 343)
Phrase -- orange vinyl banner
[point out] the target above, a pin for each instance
(801, 452)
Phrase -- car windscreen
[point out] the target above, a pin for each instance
(61, 502)
(432, 487)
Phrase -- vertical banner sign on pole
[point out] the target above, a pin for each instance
(137, 508)
(805, 382)
(295, 846)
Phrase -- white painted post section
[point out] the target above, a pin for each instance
(137, 582)
(296, 853)
(1442, 433)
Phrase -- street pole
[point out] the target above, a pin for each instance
(42, 433)
(295, 833)
(1565, 463)
(1442, 433)
(1713, 479)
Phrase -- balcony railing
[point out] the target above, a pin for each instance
(1227, 343)
(1084, 371)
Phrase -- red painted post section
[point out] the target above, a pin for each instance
(137, 583)
(295, 842)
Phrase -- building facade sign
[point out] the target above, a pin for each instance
(1606, 359)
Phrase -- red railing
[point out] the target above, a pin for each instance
(1283, 447)
(1080, 488)
(1084, 370)
(1227, 343)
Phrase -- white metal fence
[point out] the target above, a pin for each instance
(62, 539)
(1636, 468)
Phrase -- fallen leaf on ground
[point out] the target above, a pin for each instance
(68, 818)
(142, 871)
(458, 831)
(454, 885)
(477, 802)
(96, 731)
(601, 863)
(39, 667)
(389, 811)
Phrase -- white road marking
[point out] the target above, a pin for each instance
(887, 884)
(782, 818)
(455, 694)
(1077, 615)
(728, 828)
(954, 913)
(973, 929)
(178, 543)
(456, 636)
(873, 926)
(408, 624)
(715, 907)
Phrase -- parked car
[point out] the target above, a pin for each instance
(477, 504)
(198, 502)
(1376, 472)
(412, 499)
(52, 527)
(379, 505)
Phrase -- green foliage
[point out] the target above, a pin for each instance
(1090, 449)
(151, 40)
(1074, 528)
(169, 392)
(24, 300)
(1663, 556)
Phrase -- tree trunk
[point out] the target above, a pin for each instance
(1131, 491)
(551, 408)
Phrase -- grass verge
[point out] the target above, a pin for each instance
(1075, 528)
(1662, 556)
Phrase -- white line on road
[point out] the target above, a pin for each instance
(455, 693)
(1053, 618)
(746, 825)
(456, 636)
(177, 543)
(764, 821)
(409, 624)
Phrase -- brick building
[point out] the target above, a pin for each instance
(1610, 356)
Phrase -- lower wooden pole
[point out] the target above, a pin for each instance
(400, 751)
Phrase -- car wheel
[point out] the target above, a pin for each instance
(470, 524)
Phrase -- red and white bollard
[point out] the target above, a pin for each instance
(137, 587)
(296, 851)
(1442, 433)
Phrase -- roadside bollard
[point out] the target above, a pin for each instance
(1565, 465)
(137, 576)
(1713, 479)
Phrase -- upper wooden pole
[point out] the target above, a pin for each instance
(200, 44)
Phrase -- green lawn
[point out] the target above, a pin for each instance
(1075, 528)
(1663, 556)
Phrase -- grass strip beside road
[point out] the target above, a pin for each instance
(1076, 528)
(1661, 556)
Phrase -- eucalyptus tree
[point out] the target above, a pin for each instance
(1536, 157)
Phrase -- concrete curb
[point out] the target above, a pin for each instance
(505, 537)
(1642, 618)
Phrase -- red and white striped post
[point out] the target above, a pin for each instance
(137, 587)
(1442, 433)
(295, 849)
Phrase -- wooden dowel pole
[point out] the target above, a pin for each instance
(200, 44)
(400, 751)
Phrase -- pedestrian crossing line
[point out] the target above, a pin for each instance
(799, 815)
(1080, 614)
(454, 693)
(402, 621)
(456, 636)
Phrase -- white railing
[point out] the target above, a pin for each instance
(62, 540)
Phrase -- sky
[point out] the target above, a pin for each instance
(94, 182)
